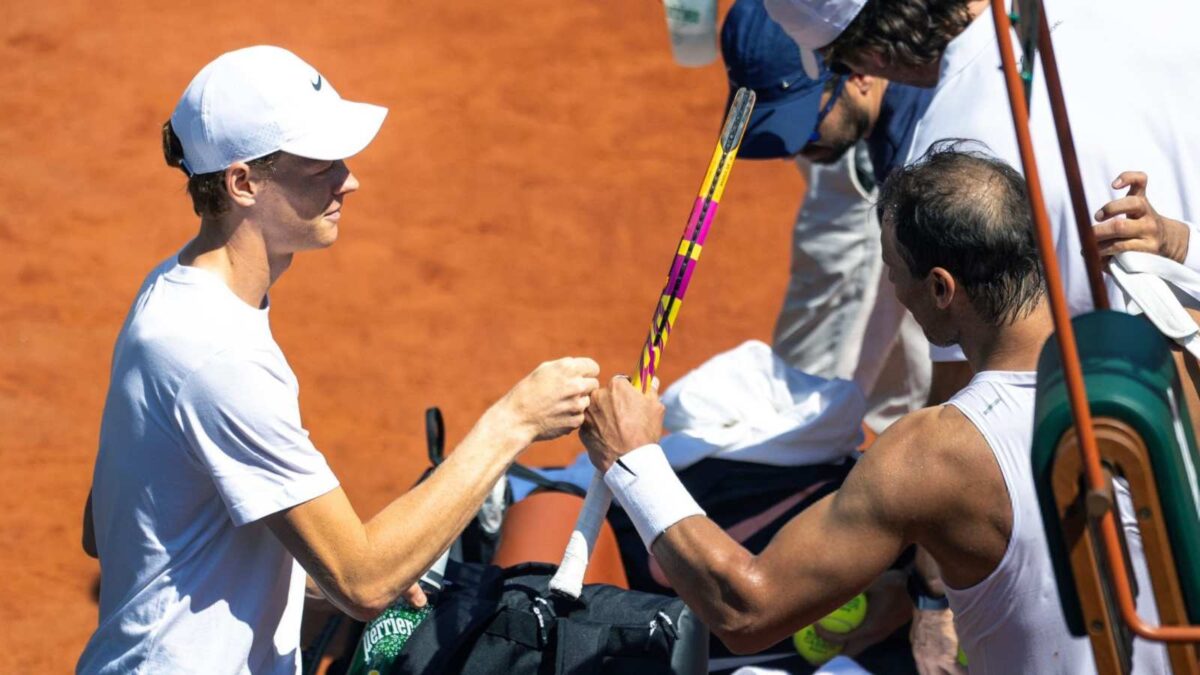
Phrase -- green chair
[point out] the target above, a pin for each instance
(1145, 435)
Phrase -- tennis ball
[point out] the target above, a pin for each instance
(847, 617)
(815, 649)
(962, 657)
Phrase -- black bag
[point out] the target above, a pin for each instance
(489, 620)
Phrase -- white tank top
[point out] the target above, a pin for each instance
(1011, 622)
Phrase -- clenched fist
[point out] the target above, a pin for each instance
(619, 419)
(549, 402)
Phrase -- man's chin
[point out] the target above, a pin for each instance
(823, 155)
(322, 239)
(942, 342)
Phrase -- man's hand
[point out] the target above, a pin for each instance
(935, 643)
(888, 608)
(1131, 224)
(415, 596)
(549, 402)
(619, 419)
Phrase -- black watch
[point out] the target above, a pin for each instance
(923, 598)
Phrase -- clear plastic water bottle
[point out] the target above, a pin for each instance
(693, 28)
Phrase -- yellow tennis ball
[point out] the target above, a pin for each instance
(847, 617)
(815, 649)
(962, 657)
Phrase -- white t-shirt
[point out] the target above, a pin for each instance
(201, 438)
(1131, 90)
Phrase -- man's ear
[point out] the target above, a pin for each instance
(861, 83)
(942, 287)
(239, 184)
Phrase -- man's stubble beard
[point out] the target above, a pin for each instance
(852, 127)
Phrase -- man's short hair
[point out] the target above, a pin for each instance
(910, 33)
(207, 190)
(968, 213)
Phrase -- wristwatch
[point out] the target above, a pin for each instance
(923, 598)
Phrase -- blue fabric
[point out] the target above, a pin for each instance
(901, 109)
(760, 56)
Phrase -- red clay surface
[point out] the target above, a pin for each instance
(522, 202)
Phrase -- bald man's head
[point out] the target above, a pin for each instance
(967, 213)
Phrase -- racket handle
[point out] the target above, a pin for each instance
(568, 580)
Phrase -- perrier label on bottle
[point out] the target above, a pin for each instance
(384, 637)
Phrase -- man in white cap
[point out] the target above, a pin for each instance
(209, 502)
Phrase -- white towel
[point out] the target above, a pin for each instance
(746, 404)
(1147, 280)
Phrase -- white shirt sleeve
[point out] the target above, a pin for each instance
(240, 414)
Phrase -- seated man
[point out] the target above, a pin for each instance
(955, 479)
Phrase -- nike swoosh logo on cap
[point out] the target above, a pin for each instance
(317, 85)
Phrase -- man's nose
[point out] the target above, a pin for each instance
(349, 184)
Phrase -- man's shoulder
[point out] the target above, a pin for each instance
(180, 314)
(176, 339)
(927, 434)
(920, 466)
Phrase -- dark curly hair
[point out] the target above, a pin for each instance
(208, 189)
(901, 32)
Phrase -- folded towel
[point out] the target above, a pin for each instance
(1147, 280)
(746, 404)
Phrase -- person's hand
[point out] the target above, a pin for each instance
(549, 402)
(888, 608)
(619, 419)
(1131, 224)
(935, 643)
(415, 596)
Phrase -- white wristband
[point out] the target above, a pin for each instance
(646, 486)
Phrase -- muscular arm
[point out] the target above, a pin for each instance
(819, 560)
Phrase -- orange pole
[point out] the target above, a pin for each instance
(1066, 143)
(1072, 369)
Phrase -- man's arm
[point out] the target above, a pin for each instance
(362, 567)
(819, 560)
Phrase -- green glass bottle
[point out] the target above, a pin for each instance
(386, 634)
(384, 637)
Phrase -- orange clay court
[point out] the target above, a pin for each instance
(522, 202)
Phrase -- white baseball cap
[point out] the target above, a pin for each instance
(252, 102)
(813, 24)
